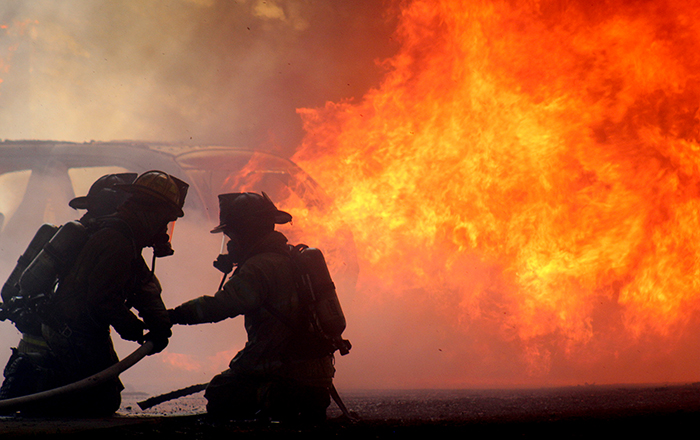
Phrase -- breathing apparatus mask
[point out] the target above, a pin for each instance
(162, 246)
(244, 218)
(164, 195)
(226, 260)
(229, 256)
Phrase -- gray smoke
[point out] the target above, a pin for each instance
(197, 71)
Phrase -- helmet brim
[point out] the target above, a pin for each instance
(80, 202)
(281, 217)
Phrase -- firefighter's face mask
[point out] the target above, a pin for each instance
(224, 262)
(162, 246)
(224, 244)
(233, 247)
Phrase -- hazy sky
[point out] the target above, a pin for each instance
(199, 71)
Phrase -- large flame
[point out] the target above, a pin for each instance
(522, 187)
(526, 180)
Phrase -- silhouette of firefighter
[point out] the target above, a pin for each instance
(286, 369)
(96, 288)
(21, 375)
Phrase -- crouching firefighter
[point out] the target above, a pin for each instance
(26, 372)
(108, 278)
(286, 368)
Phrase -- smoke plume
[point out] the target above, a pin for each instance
(198, 71)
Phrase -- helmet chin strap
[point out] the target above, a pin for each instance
(223, 280)
(153, 265)
(161, 248)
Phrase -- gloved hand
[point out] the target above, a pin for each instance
(131, 333)
(160, 340)
(175, 316)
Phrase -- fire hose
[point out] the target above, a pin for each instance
(96, 379)
(155, 400)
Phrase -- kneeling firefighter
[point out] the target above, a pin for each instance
(108, 278)
(286, 369)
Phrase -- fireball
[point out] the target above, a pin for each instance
(525, 184)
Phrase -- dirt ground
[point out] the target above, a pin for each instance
(575, 412)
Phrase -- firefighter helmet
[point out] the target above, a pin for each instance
(235, 208)
(160, 187)
(102, 193)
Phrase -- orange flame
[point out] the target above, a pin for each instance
(526, 180)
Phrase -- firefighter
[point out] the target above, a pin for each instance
(108, 278)
(276, 376)
(25, 370)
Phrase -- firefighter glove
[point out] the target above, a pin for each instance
(175, 316)
(159, 339)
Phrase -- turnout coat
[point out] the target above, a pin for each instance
(263, 290)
